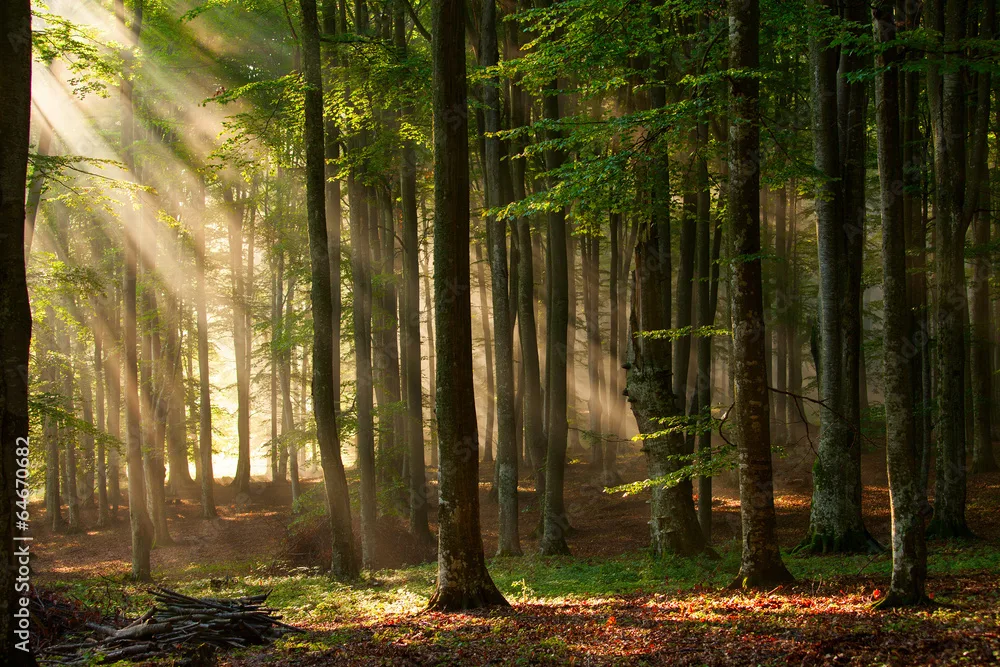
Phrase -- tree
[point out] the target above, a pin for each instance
(141, 525)
(649, 385)
(982, 358)
(15, 311)
(503, 330)
(761, 565)
(204, 386)
(909, 552)
(956, 191)
(463, 581)
(555, 521)
(234, 206)
(411, 319)
(343, 562)
(839, 147)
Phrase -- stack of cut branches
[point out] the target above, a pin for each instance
(176, 623)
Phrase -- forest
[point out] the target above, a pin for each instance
(460, 332)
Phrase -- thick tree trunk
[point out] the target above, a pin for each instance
(909, 552)
(761, 565)
(673, 524)
(836, 522)
(15, 310)
(956, 194)
(324, 394)
(463, 581)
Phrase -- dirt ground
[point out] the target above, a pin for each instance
(253, 528)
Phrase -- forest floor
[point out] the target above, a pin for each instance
(608, 603)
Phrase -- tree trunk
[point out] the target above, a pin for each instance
(204, 386)
(527, 331)
(88, 467)
(463, 581)
(360, 258)
(431, 351)
(141, 525)
(410, 319)
(982, 352)
(152, 381)
(509, 543)
(284, 358)
(705, 317)
(761, 565)
(909, 552)
(781, 305)
(324, 394)
(956, 193)
(572, 413)
(103, 513)
(234, 215)
(15, 310)
(484, 308)
(50, 429)
(836, 523)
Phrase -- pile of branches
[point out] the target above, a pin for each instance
(176, 623)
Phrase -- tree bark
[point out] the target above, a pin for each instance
(836, 523)
(417, 474)
(343, 562)
(141, 525)
(509, 543)
(761, 565)
(463, 581)
(15, 310)
(909, 552)
(956, 191)
(484, 308)
(982, 346)
(705, 317)
(204, 387)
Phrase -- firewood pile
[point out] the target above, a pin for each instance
(176, 624)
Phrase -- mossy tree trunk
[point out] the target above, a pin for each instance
(909, 552)
(761, 565)
(835, 522)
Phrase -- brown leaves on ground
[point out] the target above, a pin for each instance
(799, 625)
